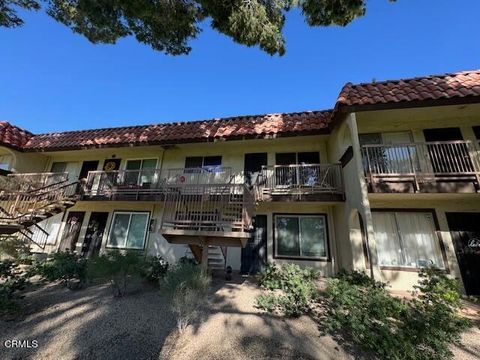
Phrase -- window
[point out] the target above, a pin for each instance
(301, 236)
(476, 131)
(128, 230)
(288, 176)
(202, 161)
(297, 158)
(397, 156)
(5, 162)
(144, 175)
(59, 167)
(197, 164)
(407, 239)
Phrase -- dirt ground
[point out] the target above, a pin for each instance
(91, 324)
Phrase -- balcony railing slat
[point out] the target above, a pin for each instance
(430, 160)
(301, 179)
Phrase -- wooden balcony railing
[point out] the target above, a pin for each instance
(301, 179)
(123, 182)
(208, 208)
(422, 162)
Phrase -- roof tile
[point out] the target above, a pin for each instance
(462, 84)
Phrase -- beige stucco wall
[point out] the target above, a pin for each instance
(345, 235)
(157, 245)
(418, 119)
(172, 157)
(349, 235)
(25, 162)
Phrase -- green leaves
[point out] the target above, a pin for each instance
(293, 289)
(8, 11)
(70, 268)
(169, 25)
(391, 328)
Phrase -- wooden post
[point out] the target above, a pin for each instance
(204, 252)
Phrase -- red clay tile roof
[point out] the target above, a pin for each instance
(436, 87)
(258, 126)
(462, 86)
(13, 136)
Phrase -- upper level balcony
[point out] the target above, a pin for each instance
(315, 182)
(321, 182)
(124, 185)
(443, 166)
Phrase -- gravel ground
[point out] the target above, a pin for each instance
(231, 328)
(90, 324)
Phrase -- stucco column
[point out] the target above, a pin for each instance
(361, 196)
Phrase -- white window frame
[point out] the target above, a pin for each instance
(108, 246)
(312, 258)
(140, 170)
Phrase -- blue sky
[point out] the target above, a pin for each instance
(55, 80)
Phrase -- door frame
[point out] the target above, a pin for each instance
(252, 255)
(451, 214)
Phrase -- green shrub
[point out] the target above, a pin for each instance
(296, 287)
(117, 268)
(433, 315)
(67, 267)
(267, 302)
(154, 269)
(391, 328)
(17, 249)
(12, 280)
(186, 285)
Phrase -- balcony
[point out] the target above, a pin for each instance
(213, 214)
(320, 182)
(446, 166)
(124, 185)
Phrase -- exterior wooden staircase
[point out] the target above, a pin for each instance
(216, 256)
(20, 211)
(208, 214)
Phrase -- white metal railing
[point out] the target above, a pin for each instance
(442, 160)
(194, 176)
(123, 182)
(31, 181)
(301, 179)
(208, 207)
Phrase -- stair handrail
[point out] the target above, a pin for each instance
(31, 200)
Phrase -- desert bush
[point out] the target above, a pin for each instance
(292, 289)
(154, 269)
(12, 281)
(116, 267)
(186, 285)
(69, 268)
(361, 310)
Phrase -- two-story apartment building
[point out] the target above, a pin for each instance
(387, 182)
